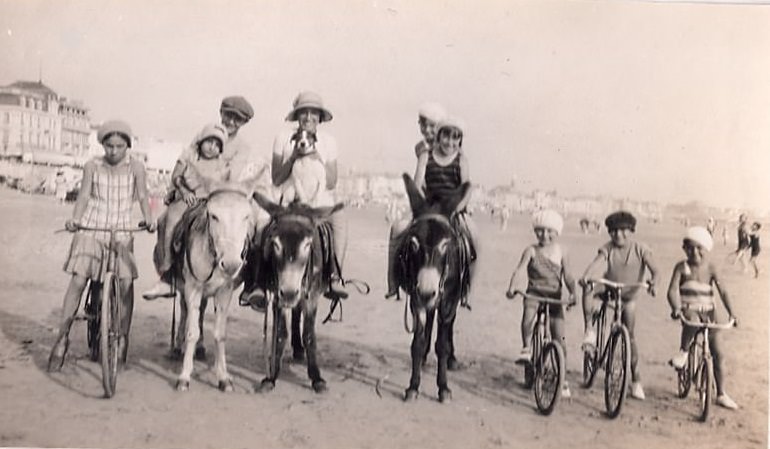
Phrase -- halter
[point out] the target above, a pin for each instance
(211, 245)
(443, 275)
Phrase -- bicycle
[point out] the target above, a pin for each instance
(612, 348)
(547, 368)
(699, 367)
(104, 317)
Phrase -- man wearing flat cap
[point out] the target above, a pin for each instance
(239, 159)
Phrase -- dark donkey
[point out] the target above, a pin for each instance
(431, 273)
(295, 270)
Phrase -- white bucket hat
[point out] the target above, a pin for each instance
(549, 219)
(700, 236)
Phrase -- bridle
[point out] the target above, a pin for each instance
(444, 221)
(211, 245)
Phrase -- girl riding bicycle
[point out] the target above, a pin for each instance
(109, 187)
(626, 261)
(691, 294)
(547, 267)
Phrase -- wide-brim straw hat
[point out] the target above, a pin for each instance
(114, 127)
(308, 100)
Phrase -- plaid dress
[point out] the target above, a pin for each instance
(113, 193)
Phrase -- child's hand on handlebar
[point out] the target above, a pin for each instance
(149, 225)
(71, 225)
(651, 288)
(676, 314)
(510, 294)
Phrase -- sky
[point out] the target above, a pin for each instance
(662, 101)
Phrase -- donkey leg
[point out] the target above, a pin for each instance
(446, 320)
(309, 340)
(193, 298)
(428, 336)
(298, 350)
(200, 348)
(222, 306)
(418, 351)
(280, 334)
(177, 350)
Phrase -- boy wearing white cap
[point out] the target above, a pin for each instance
(691, 294)
(547, 270)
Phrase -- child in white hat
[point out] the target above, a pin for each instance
(547, 270)
(691, 294)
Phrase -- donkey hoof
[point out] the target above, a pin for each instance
(319, 386)
(200, 354)
(266, 386)
(444, 395)
(225, 386)
(411, 394)
(182, 385)
(454, 365)
(175, 354)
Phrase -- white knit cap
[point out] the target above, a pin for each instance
(432, 111)
(549, 219)
(700, 236)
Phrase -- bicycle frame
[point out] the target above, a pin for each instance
(617, 337)
(702, 339)
(545, 350)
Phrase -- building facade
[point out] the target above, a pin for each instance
(35, 122)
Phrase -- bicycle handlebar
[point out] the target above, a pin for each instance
(727, 325)
(143, 227)
(617, 285)
(541, 299)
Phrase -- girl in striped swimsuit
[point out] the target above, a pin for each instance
(440, 171)
(691, 294)
(110, 186)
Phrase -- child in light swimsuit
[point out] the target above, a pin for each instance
(691, 294)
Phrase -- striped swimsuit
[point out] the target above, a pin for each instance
(696, 295)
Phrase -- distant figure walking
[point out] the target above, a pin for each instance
(739, 255)
(61, 186)
(754, 245)
(711, 225)
(505, 215)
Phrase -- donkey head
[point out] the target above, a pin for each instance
(430, 244)
(291, 247)
(231, 220)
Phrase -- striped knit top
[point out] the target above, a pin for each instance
(440, 180)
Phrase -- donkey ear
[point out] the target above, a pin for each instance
(265, 203)
(450, 205)
(324, 212)
(416, 200)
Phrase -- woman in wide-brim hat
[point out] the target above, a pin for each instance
(309, 100)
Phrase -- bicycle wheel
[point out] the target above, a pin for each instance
(529, 366)
(704, 388)
(110, 333)
(686, 375)
(549, 377)
(92, 310)
(618, 368)
(591, 358)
